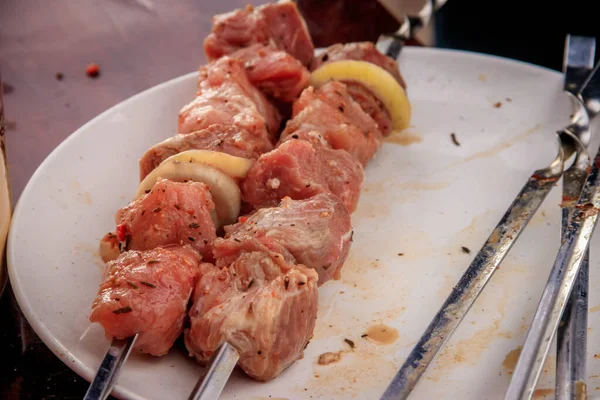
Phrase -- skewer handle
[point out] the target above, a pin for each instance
(109, 370)
(210, 386)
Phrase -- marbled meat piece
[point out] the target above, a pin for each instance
(359, 51)
(171, 213)
(262, 305)
(147, 293)
(275, 72)
(316, 231)
(226, 96)
(342, 123)
(300, 169)
(222, 138)
(278, 24)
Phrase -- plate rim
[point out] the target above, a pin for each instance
(44, 333)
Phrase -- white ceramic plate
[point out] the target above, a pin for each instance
(424, 200)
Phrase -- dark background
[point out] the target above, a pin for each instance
(138, 47)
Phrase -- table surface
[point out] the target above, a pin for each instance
(137, 44)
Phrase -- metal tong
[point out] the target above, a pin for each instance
(503, 237)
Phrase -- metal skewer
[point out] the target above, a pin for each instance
(222, 364)
(473, 281)
(572, 331)
(410, 26)
(110, 368)
(570, 258)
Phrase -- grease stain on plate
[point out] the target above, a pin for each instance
(543, 393)
(351, 375)
(404, 138)
(382, 334)
(511, 359)
(494, 150)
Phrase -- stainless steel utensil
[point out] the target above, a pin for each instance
(109, 370)
(223, 362)
(581, 226)
(572, 331)
(410, 26)
(577, 232)
(485, 263)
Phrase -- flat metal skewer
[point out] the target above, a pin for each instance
(473, 281)
(571, 349)
(222, 364)
(570, 258)
(110, 368)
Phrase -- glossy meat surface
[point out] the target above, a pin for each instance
(222, 138)
(360, 51)
(172, 213)
(316, 231)
(275, 72)
(226, 96)
(278, 24)
(300, 169)
(261, 304)
(147, 292)
(342, 123)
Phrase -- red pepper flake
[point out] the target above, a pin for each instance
(242, 219)
(153, 262)
(92, 70)
(123, 310)
(121, 232)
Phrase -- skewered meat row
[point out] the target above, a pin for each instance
(256, 287)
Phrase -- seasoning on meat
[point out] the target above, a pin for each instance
(227, 139)
(316, 232)
(354, 131)
(226, 96)
(300, 169)
(175, 206)
(279, 24)
(248, 305)
(276, 73)
(156, 308)
(364, 51)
